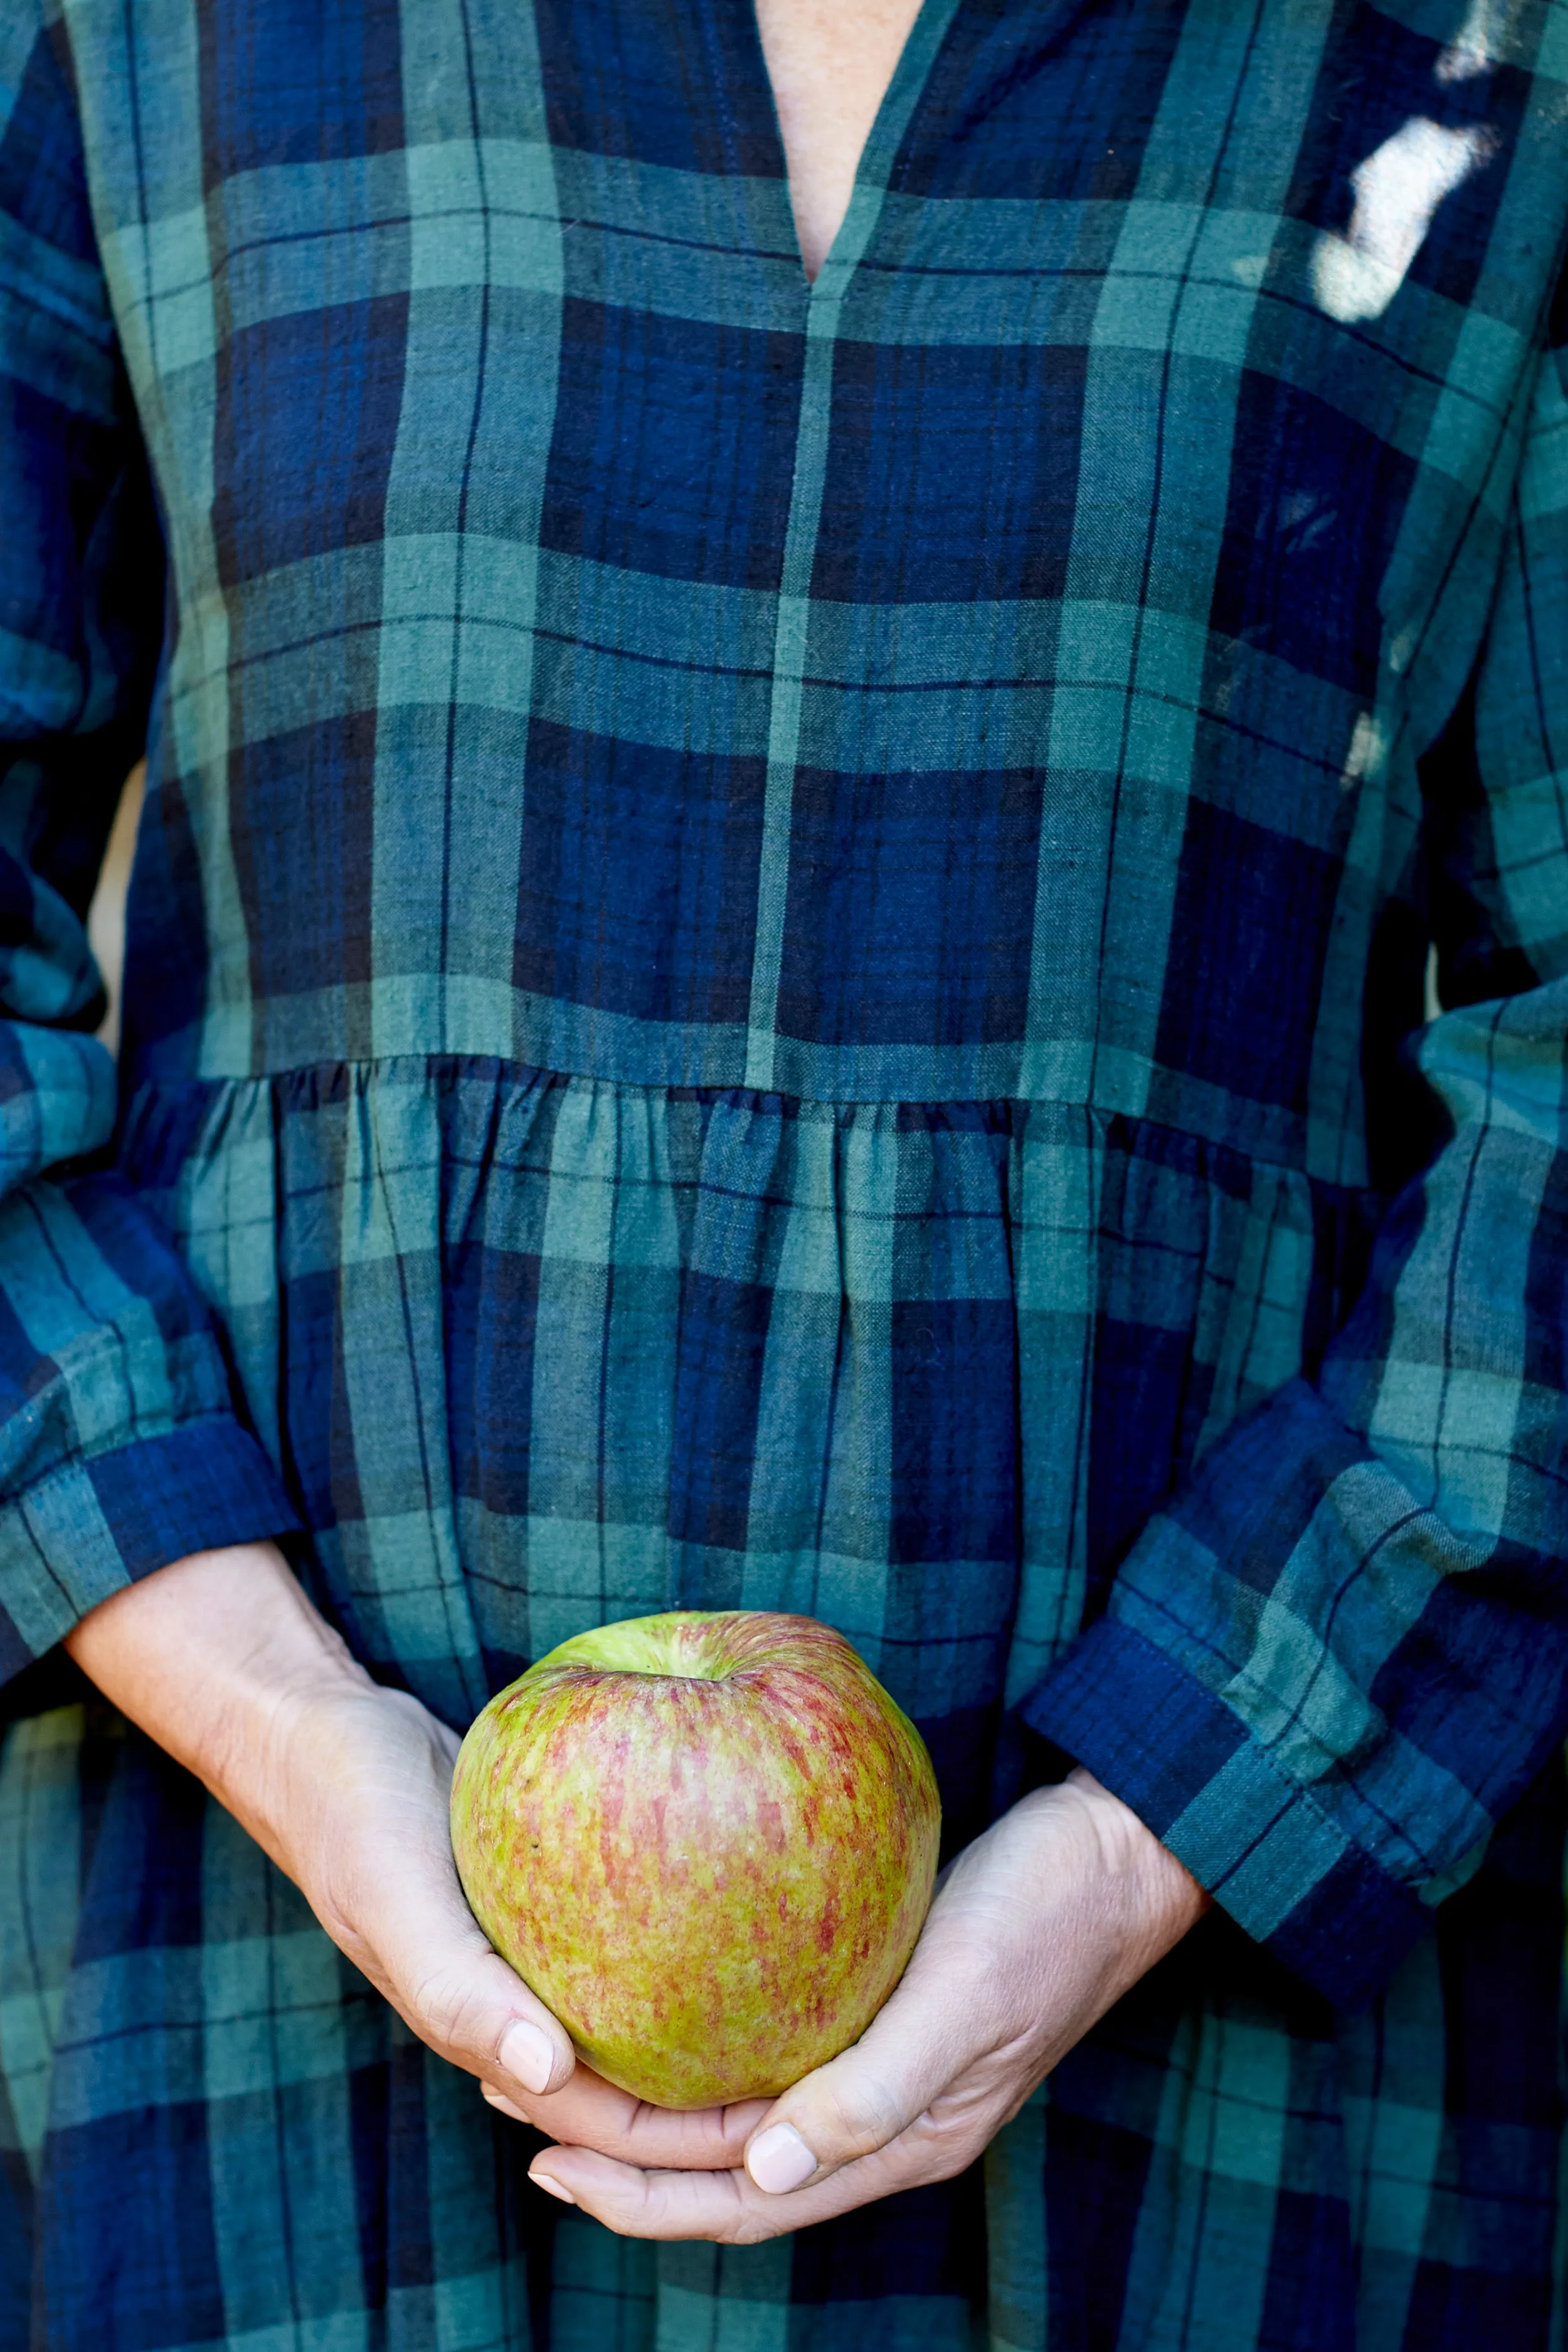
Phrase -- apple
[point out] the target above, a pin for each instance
(707, 1840)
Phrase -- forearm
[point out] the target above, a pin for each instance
(214, 1657)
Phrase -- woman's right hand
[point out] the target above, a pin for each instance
(222, 1659)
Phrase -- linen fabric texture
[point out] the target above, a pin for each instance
(776, 960)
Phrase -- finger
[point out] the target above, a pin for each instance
(637, 2202)
(469, 2005)
(385, 1885)
(701, 2140)
(858, 2103)
(436, 1966)
(503, 2104)
(591, 2113)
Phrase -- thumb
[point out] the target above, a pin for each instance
(419, 1942)
(360, 1784)
(859, 2102)
(469, 2005)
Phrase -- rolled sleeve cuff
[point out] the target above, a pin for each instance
(1257, 1841)
(99, 1523)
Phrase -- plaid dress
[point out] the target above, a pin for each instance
(777, 959)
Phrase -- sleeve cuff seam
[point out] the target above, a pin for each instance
(1297, 1794)
(1297, 1791)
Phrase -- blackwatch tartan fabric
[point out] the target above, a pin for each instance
(776, 958)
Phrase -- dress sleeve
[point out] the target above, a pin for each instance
(119, 1445)
(1340, 1653)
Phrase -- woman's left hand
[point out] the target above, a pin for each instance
(1039, 1927)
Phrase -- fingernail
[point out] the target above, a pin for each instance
(780, 2160)
(544, 2181)
(525, 2052)
(504, 2105)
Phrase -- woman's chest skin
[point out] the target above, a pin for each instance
(830, 64)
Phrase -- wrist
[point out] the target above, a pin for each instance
(1158, 1899)
(216, 1657)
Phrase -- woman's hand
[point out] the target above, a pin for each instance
(1039, 1927)
(221, 1659)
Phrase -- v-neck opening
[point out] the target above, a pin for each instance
(895, 110)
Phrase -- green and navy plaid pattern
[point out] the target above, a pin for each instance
(775, 961)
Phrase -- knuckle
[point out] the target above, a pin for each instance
(619, 2225)
(863, 2114)
(339, 1903)
(750, 2228)
(446, 2011)
(949, 2152)
(658, 2215)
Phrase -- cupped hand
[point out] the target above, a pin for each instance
(1038, 1929)
(369, 1775)
(222, 1659)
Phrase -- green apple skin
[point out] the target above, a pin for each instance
(707, 1840)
